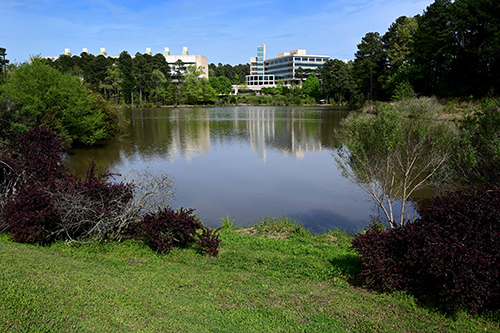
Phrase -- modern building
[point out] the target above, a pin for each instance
(284, 67)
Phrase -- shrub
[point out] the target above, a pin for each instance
(31, 217)
(40, 95)
(208, 241)
(477, 152)
(168, 228)
(69, 209)
(383, 259)
(37, 156)
(34, 157)
(41, 201)
(451, 252)
(94, 207)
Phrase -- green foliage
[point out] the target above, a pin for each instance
(235, 74)
(369, 65)
(279, 228)
(399, 40)
(448, 51)
(403, 90)
(392, 154)
(227, 222)
(38, 95)
(196, 90)
(221, 84)
(311, 88)
(477, 154)
(336, 80)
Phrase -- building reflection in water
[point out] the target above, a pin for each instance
(247, 162)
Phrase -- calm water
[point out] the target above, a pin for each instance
(243, 162)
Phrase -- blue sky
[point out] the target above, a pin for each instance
(224, 31)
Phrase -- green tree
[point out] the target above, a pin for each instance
(196, 89)
(38, 95)
(399, 45)
(180, 69)
(142, 72)
(3, 62)
(111, 83)
(476, 41)
(399, 40)
(369, 65)
(336, 79)
(395, 153)
(434, 48)
(128, 80)
(310, 87)
(160, 82)
(221, 84)
(171, 94)
(477, 154)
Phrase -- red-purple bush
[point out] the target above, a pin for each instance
(451, 253)
(383, 255)
(31, 217)
(42, 201)
(208, 241)
(168, 228)
(37, 156)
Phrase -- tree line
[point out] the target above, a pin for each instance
(146, 79)
(451, 50)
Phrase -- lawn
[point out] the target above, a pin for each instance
(274, 277)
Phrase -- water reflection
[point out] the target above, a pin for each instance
(246, 162)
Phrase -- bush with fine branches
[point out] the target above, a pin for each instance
(35, 183)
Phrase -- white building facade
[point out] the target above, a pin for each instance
(187, 60)
(267, 72)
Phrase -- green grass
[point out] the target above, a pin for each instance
(273, 277)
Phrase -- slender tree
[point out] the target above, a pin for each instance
(369, 65)
(395, 153)
(128, 80)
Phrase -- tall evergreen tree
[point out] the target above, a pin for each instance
(433, 49)
(128, 84)
(369, 65)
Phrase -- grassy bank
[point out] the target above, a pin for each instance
(274, 277)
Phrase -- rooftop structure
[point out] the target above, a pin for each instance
(185, 57)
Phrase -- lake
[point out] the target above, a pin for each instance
(243, 162)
